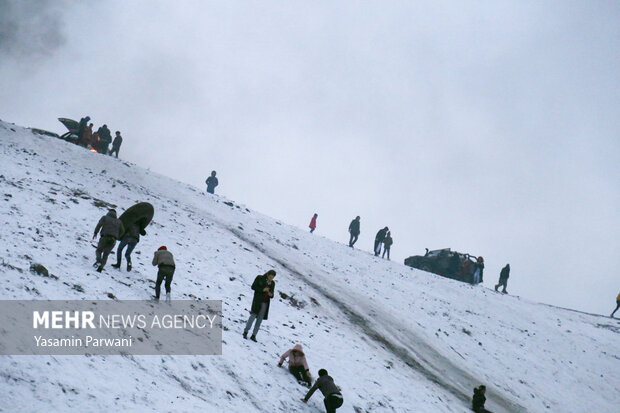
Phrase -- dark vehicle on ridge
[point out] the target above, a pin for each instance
(447, 263)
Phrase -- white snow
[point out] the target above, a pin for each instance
(394, 339)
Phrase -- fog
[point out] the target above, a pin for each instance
(486, 127)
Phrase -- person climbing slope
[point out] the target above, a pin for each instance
(354, 230)
(297, 364)
(129, 240)
(264, 288)
(312, 225)
(164, 260)
(617, 306)
(331, 392)
(111, 229)
(503, 278)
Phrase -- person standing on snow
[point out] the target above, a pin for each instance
(111, 230)
(479, 267)
(379, 240)
(354, 230)
(264, 288)
(211, 182)
(116, 145)
(104, 139)
(503, 278)
(387, 244)
(312, 225)
(165, 262)
(477, 402)
(617, 306)
(333, 397)
(297, 364)
(81, 129)
(129, 240)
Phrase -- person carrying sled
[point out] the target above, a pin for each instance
(387, 244)
(212, 182)
(331, 392)
(379, 240)
(617, 306)
(116, 145)
(164, 260)
(264, 288)
(111, 229)
(129, 240)
(297, 364)
(503, 278)
(478, 400)
(312, 225)
(478, 268)
(354, 230)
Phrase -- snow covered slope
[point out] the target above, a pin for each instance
(395, 339)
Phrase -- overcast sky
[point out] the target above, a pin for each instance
(490, 127)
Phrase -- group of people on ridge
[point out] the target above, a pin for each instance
(100, 140)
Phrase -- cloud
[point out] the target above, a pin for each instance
(31, 30)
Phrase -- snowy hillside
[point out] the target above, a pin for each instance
(394, 339)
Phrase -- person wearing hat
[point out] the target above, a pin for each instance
(116, 145)
(333, 397)
(264, 288)
(111, 229)
(164, 260)
(212, 182)
(297, 364)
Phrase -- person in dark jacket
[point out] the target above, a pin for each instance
(379, 240)
(81, 129)
(354, 230)
(503, 278)
(105, 138)
(111, 229)
(312, 225)
(264, 288)
(212, 182)
(387, 244)
(164, 260)
(477, 403)
(116, 145)
(331, 392)
(129, 240)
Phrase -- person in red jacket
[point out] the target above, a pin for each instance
(313, 223)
